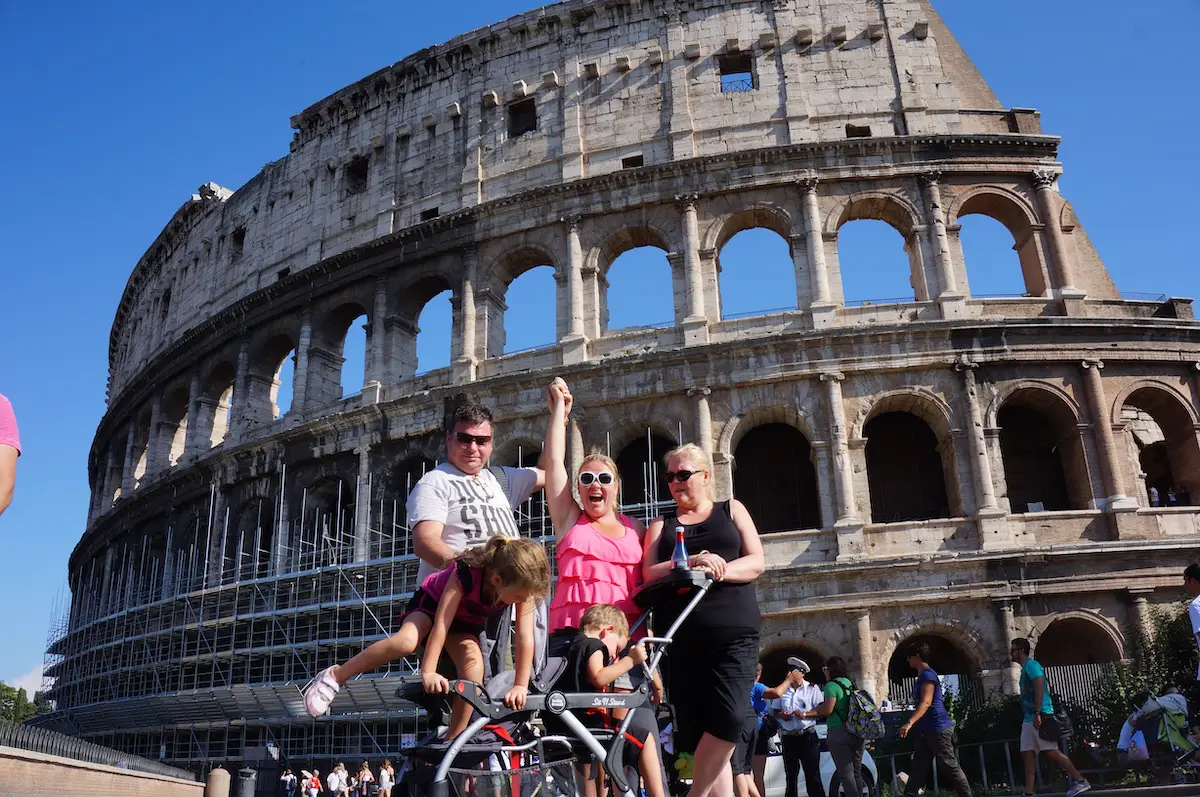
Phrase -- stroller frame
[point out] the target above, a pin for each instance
(543, 697)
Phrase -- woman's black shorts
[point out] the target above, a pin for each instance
(743, 752)
(708, 683)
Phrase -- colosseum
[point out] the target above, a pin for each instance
(962, 468)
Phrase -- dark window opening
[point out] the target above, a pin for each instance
(858, 131)
(643, 486)
(737, 72)
(632, 162)
(774, 476)
(1033, 464)
(356, 175)
(283, 272)
(428, 215)
(522, 117)
(904, 470)
(238, 241)
(165, 306)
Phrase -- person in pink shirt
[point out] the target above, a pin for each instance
(10, 449)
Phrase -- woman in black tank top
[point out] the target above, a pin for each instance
(710, 665)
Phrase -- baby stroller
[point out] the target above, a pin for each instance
(1163, 723)
(500, 755)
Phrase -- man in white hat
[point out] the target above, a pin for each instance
(795, 710)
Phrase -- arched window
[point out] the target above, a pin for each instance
(948, 659)
(1075, 640)
(324, 527)
(354, 357)
(283, 386)
(775, 478)
(775, 666)
(643, 486)
(223, 418)
(993, 267)
(1044, 464)
(532, 518)
(529, 320)
(640, 290)
(1168, 455)
(756, 273)
(141, 447)
(175, 425)
(432, 347)
(875, 264)
(904, 469)
(999, 247)
(402, 477)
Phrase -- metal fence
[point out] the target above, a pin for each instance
(991, 767)
(40, 740)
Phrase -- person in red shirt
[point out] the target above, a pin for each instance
(10, 449)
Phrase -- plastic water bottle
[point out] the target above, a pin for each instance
(679, 557)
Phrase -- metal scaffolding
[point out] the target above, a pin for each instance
(195, 651)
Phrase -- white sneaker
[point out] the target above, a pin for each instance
(1078, 788)
(320, 693)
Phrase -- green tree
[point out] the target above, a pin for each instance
(15, 705)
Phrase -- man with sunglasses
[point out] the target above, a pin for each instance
(461, 504)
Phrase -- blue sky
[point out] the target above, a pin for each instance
(115, 113)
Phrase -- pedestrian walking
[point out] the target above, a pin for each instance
(936, 736)
(845, 748)
(1035, 705)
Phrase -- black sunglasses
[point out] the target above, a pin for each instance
(681, 476)
(587, 477)
(480, 440)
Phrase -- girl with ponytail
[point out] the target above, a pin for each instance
(449, 612)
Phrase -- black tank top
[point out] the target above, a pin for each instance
(729, 609)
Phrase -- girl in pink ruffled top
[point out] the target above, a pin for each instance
(598, 550)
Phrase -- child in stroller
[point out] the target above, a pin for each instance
(452, 607)
(593, 663)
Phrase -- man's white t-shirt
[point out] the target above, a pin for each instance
(1194, 616)
(798, 698)
(472, 508)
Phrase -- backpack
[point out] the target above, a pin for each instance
(862, 718)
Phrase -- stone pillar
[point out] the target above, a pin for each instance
(1143, 625)
(378, 375)
(848, 526)
(240, 414)
(695, 325)
(1008, 632)
(679, 67)
(128, 463)
(704, 430)
(154, 442)
(951, 301)
(362, 506)
(993, 530)
(300, 376)
(465, 365)
(1043, 182)
(575, 450)
(1117, 502)
(864, 654)
(574, 343)
(823, 308)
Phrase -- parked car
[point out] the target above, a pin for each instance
(776, 782)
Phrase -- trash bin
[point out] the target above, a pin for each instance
(217, 784)
(246, 782)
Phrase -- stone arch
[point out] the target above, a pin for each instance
(911, 462)
(515, 261)
(920, 401)
(638, 449)
(615, 238)
(813, 650)
(507, 453)
(505, 270)
(1041, 449)
(1170, 434)
(1014, 212)
(891, 207)
(955, 645)
(775, 218)
(411, 297)
(174, 427)
(736, 427)
(216, 403)
(1077, 637)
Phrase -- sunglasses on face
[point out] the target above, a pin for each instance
(587, 477)
(681, 476)
(480, 440)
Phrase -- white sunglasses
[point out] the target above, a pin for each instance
(587, 477)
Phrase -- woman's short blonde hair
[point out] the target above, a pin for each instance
(695, 456)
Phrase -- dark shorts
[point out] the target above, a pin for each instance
(762, 742)
(743, 752)
(709, 685)
(422, 603)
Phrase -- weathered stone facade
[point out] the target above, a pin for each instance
(976, 467)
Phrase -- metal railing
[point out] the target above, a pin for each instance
(753, 313)
(873, 302)
(40, 740)
(989, 766)
(1140, 296)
